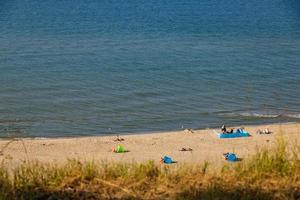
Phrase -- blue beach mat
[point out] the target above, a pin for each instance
(237, 133)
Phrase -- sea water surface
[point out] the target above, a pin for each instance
(70, 68)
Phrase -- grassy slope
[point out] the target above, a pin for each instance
(269, 174)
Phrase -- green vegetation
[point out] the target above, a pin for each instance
(270, 174)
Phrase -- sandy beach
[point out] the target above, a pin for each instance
(205, 145)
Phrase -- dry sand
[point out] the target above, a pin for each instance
(205, 144)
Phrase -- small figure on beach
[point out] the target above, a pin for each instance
(185, 149)
(189, 130)
(239, 130)
(118, 139)
(266, 131)
(224, 130)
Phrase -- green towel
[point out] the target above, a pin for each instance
(120, 149)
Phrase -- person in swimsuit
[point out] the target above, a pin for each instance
(223, 129)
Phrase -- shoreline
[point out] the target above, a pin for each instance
(143, 147)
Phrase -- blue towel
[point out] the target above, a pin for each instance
(168, 160)
(231, 157)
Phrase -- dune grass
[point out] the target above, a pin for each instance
(269, 174)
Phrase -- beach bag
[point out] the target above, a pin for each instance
(120, 149)
(167, 160)
(231, 157)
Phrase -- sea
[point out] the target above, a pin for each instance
(107, 67)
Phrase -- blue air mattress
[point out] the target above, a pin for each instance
(238, 133)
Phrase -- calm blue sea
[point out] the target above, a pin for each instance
(92, 67)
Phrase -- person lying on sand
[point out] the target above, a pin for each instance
(186, 149)
(266, 131)
(118, 139)
(189, 130)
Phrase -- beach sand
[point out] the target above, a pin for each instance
(142, 147)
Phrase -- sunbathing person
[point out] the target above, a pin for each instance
(185, 149)
(224, 130)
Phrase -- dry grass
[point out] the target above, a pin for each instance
(270, 174)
